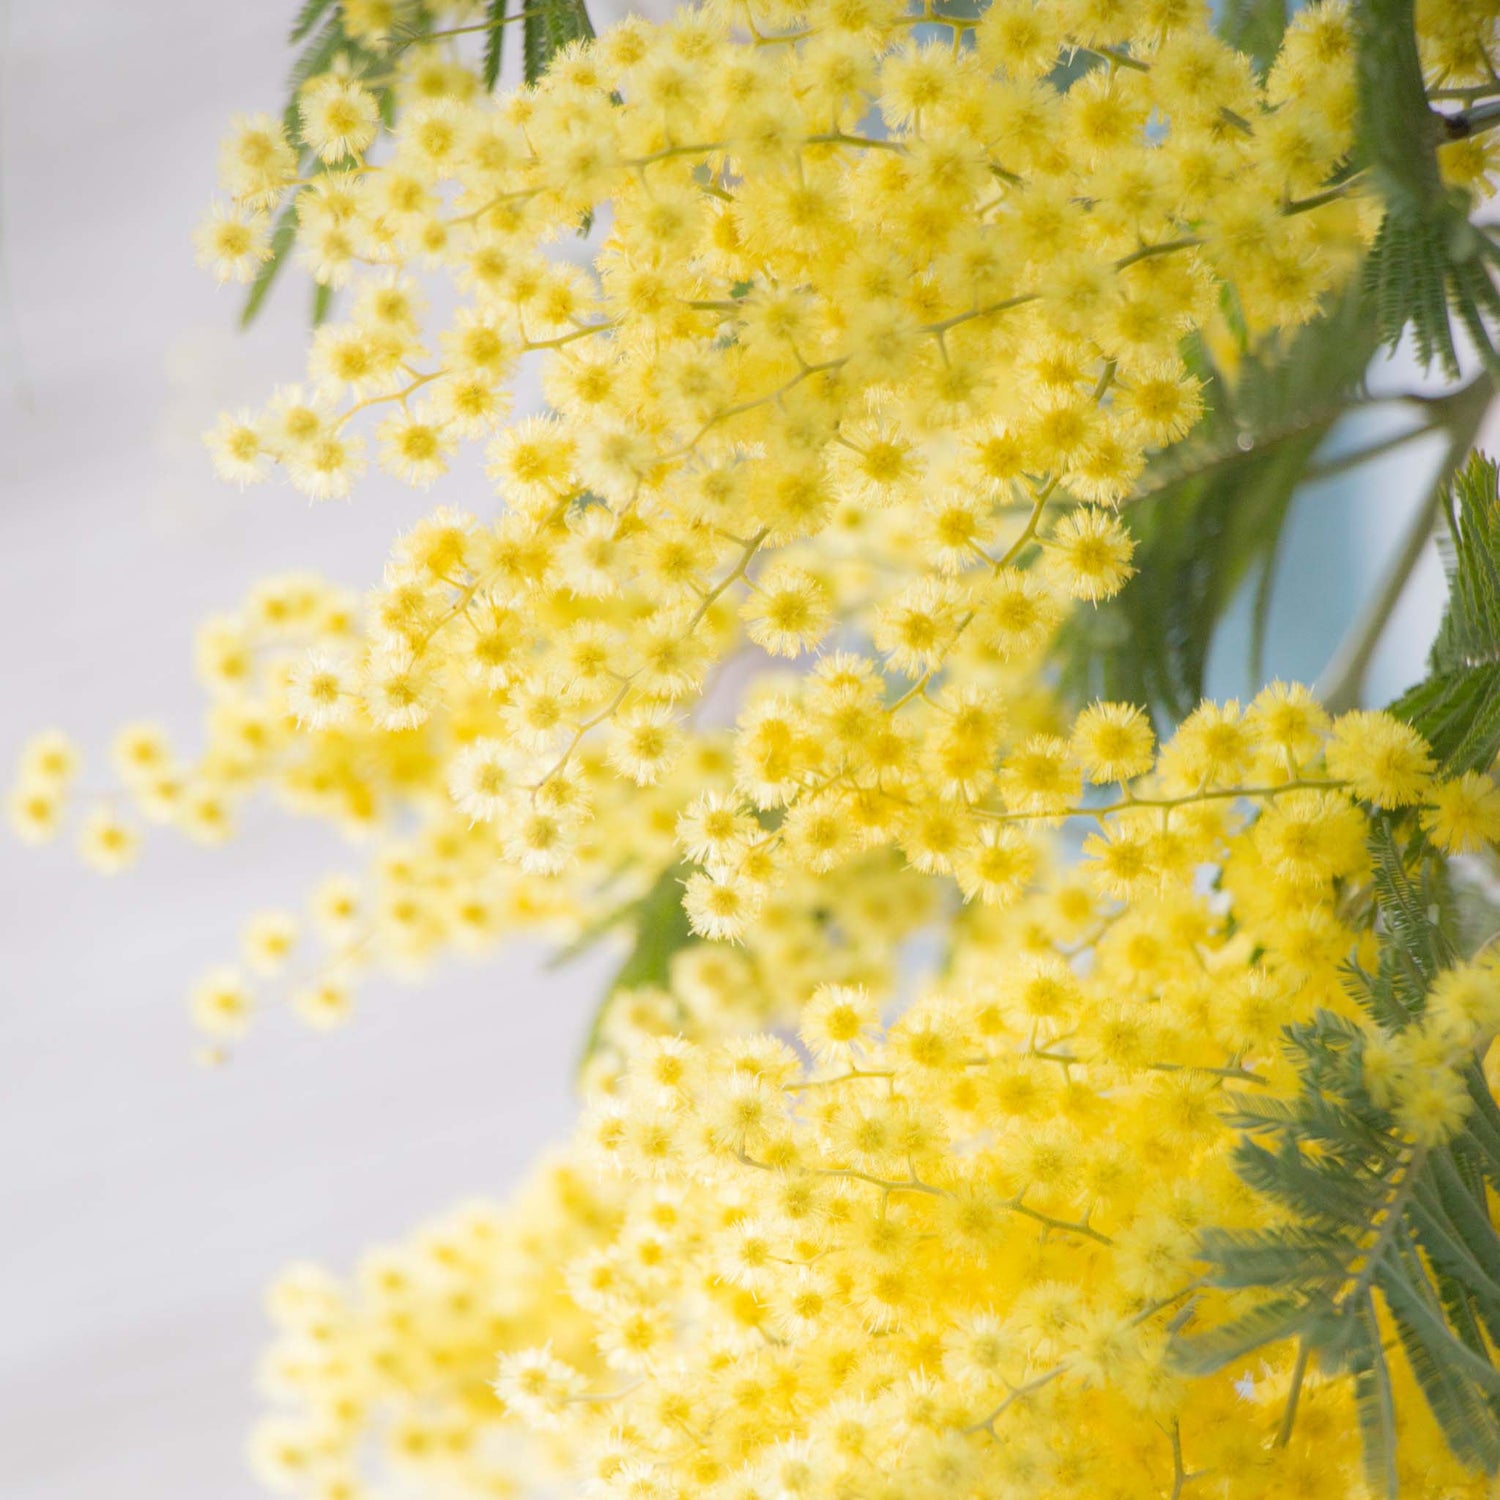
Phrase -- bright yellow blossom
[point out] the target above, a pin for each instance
(875, 334)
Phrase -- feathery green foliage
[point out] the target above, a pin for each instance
(1255, 27)
(547, 26)
(1213, 515)
(659, 928)
(308, 17)
(494, 40)
(1422, 266)
(1457, 706)
(283, 237)
(1373, 1219)
(320, 24)
(1429, 262)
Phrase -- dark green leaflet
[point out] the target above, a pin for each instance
(1457, 705)
(1372, 1218)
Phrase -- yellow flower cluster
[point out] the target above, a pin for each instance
(408, 1349)
(863, 865)
(882, 324)
(884, 315)
(934, 1257)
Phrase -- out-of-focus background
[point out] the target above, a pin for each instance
(145, 1200)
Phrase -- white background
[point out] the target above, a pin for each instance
(145, 1201)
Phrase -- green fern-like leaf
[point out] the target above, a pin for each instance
(494, 40)
(1428, 261)
(1459, 1384)
(316, 58)
(660, 929)
(1372, 1220)
(283, 236)
(1299, 1255)
(1254, 27)
(1471, 629)
(550, 25)
(1458, 712)
(1374, 1402)
(1406, 901)
(308, 17)
(1457, 705)
(1416, 277)
(322, 304)
(1270, 1322)
(320, 26)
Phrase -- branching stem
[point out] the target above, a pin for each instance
(1289, 1416)
(1461, 414)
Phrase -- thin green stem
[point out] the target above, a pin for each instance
(1317, 200)
(1289, 1416)
(1218, 794)
(987, 1424)
(1474, 121)
(1343, 682)
(416, 38)
(1180, 1474)
(1166, 247)
(1065, 1226)
(1359, 456)
(1470, 95)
